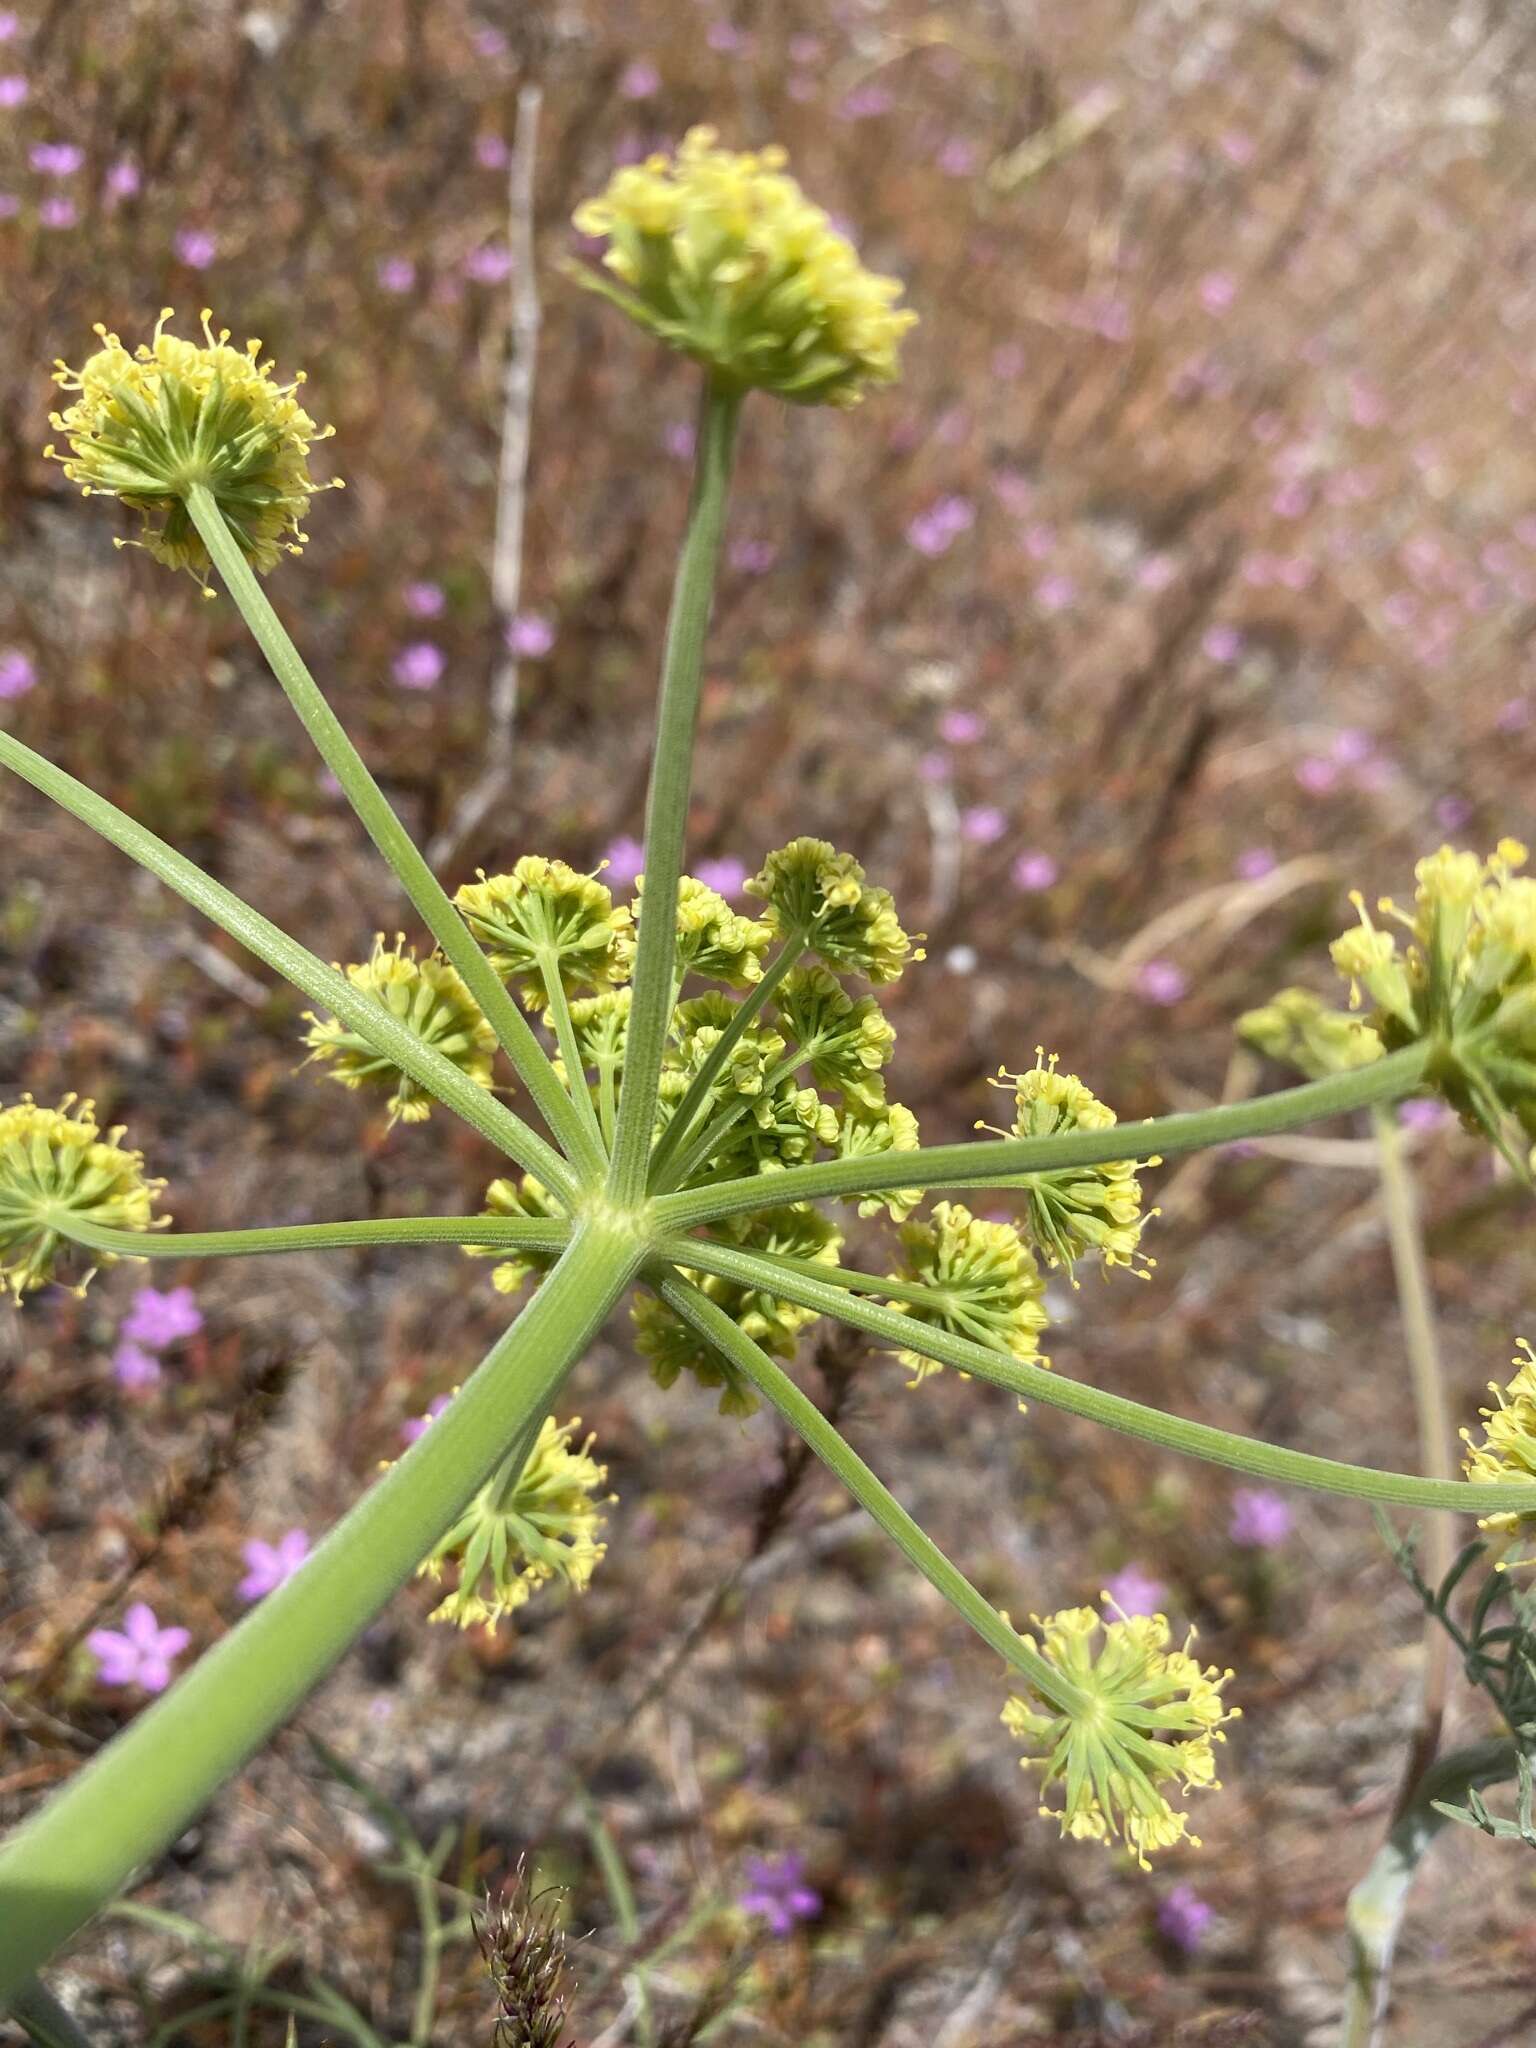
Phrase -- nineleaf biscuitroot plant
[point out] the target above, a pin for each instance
(707, 1097)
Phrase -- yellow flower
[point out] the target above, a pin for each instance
(1464, 982)
(545, 914)
(56, 1162)
(722, 256)
(523, 1529)
(1075, 1209)
(148, 426)
(1507, 1454)
(1303, 1031)
(819, 898)
(431, 1001)
(713, 941)
(527, 1198)
(1149, 1717)
(983, 1285)
(862, 1132)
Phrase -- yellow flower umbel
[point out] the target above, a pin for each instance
(982, 1280)
(522, 1530)
(147, 426)
(1464, 982)
(1309, 1035)
(1507, 1453)
(1075, 1209)
(819, 897)
(430, 1000)
(723, 257)
(546, 916)
(714, 942)
(1149, 1718)
(56, 1162)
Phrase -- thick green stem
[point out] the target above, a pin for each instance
(515, 1233)
(781, 1277)
(138, 1794)
(666, 810)
(993, 1163)
(746, 1012)
(388, 834)
(322, 984)
(807, 1420)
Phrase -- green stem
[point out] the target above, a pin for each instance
(386, 831)
(747, 1011)
(993, 1163)
(43, 2020)
(322, 984)
(807, 1420)
(137, 1795)
(516, 1233)
(775, 1276)
(666, 810)
(570, 1053)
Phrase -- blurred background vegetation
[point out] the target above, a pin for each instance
(1187, 579)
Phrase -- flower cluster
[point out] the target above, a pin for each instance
(1462, 984)
(721, 255)
(979, 1280)
(55, 1164)
(147, 426)
(530, 1523)
(1146, 1717)
(1507, 1453)
(430, 1000)
(1074, 1210)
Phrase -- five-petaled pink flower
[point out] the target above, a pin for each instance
(269, 1565)
(159, 1320)
(141, 1653)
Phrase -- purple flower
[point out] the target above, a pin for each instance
(158, 1320)
(1292, 500)
(959, 157)
(1237, 147)
(727, 877)
(491, 152)
(1260, 1520)
(1054, 593)
(866, 102)
(624, 862)
(1161, 982)
(530, 635)
(960, 728)
(10, 206)
(1156, 572)
(420, 665)
(488, 42)
(141, 1654)
(725, 37)
(1183, 1918)
(1035, 871)
(270, 1564)
(753, 557)
(1217, 291)
(1426, 1113)
(679, 439)
(424, 600)
(1221, 643)
(134, 1369)
(123, 179)
(639, 80)
(1352, 746)
(58, 212)
(776, 1891)
(983, 825)
(1254, 863)
(396, 274)
(1136, 1592)
(418, 1425)
(196, 247)
(1514, 716)
(10, 25)
(56, 159)
(935, 531)
(1452, 813)
(1316, 774)
(13, 89)
(489, 264)
(17, 673)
